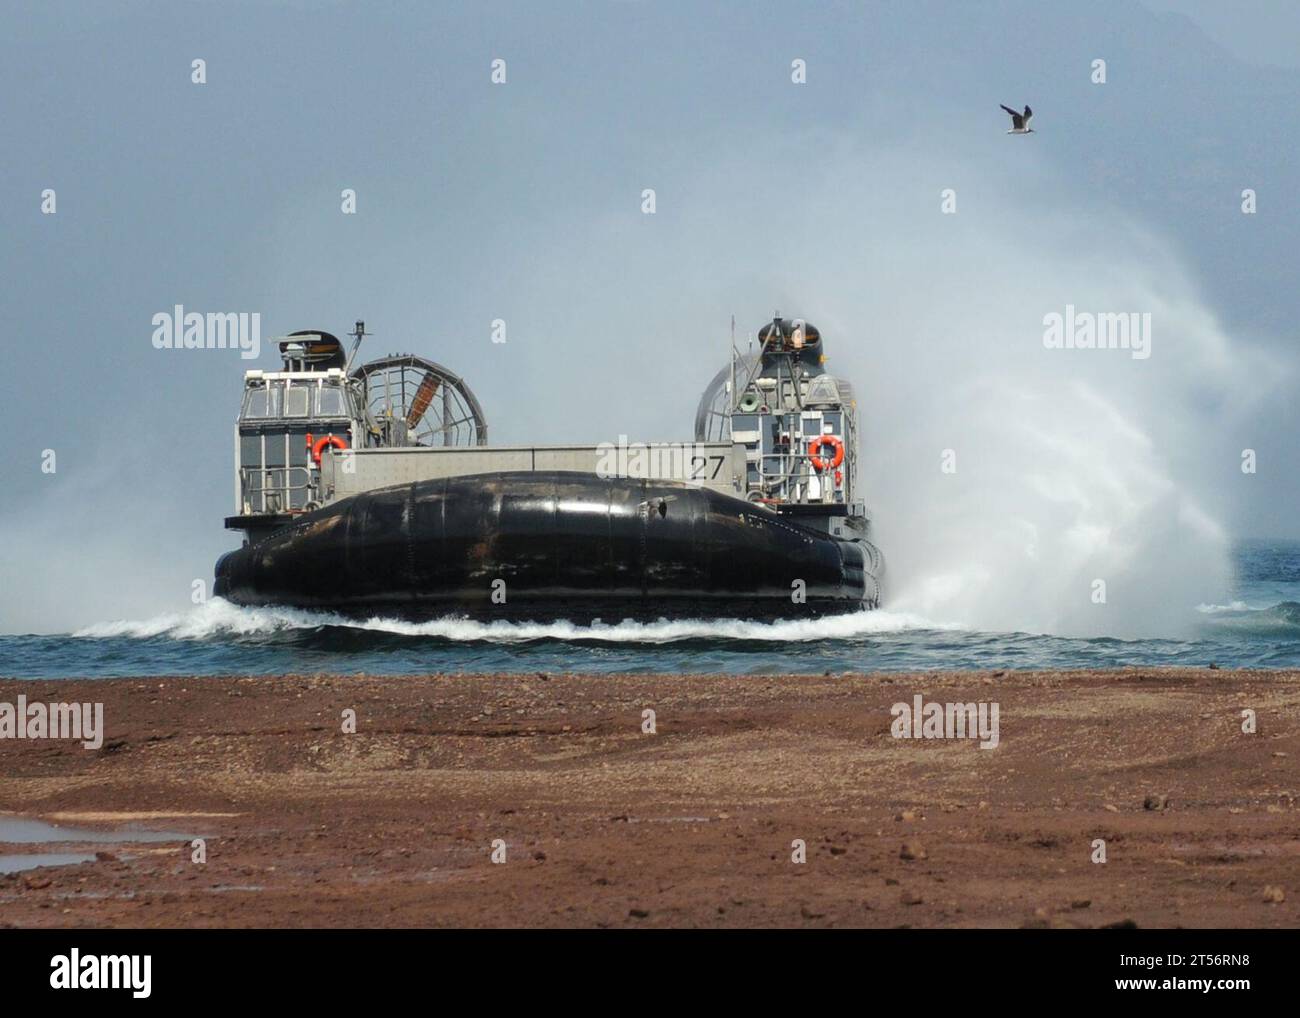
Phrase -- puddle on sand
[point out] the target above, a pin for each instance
(22, 863)
(26, 831)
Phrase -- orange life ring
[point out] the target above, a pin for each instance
(319, 446)
(815, 448)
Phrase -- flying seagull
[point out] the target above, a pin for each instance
(1020, 121)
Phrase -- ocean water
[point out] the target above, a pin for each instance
(1258, 626)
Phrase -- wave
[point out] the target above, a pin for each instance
(1238, 619)
(214, 618)
(219, 619)
(1216, 609)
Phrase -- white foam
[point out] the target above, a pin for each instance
(836, 627)
(219, 618)
(1216, 609)
(213, 618)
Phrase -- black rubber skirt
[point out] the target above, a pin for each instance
(546, 545)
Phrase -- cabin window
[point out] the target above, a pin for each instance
(295, 401)
(297, 447)
(260, 402)
(275, 450)
(250, 451)
(331, 401)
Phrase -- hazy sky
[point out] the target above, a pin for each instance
(522, 201)
(1257, 31)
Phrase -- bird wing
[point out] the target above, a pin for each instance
(1010, 110)
(1028, 114)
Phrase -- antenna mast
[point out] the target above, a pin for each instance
(731, 387)
(357, 334)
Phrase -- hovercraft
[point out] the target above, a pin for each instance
(374, 491)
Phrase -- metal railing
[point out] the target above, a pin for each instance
(274, 489)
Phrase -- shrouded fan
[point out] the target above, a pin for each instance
(713, 418)
(421, 403)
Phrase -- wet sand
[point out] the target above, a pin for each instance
(604, 825)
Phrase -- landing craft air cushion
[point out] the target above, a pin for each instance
(374, 490)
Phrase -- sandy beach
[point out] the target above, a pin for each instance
(604, 824)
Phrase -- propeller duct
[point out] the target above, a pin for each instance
(423, 397)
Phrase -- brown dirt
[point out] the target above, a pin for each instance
(692, 826)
